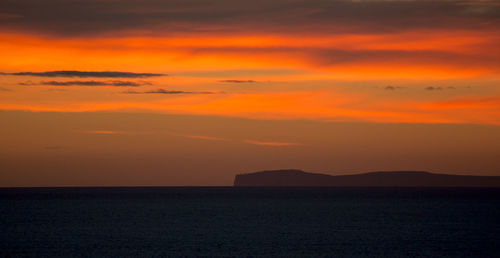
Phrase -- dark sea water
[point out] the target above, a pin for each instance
(249, 222)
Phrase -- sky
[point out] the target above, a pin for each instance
(190, 92)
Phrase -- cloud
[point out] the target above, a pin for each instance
(433, 88)
(322, 105)
(261, 143)
(440, 88)
(373, 59)
(267, 143)
(132, 92)
(104, 132)
(27, 83)
(405, 55)
(389, 87)
(84, 74)
(253, 142)
(4, 89)
(238, 81)
(163, 91)
(95, 83)
(70, 18)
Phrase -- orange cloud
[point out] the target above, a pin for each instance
(411, 54)
(323, 105)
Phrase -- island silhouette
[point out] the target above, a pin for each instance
(293, 177)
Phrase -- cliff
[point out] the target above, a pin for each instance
(371, 179)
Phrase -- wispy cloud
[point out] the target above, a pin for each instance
(105, 132)
(389, 87)
(163, 91)
(268, 143)
(94, 83)
(238, 81)
(440, 88)
(83, 74)
(316, 105)
(261, 143)
(131, 92)
(27, 83)
(4, 89)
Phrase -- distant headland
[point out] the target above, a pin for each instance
(294, 177)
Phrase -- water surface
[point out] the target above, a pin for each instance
(227, 221)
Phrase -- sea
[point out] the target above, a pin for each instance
(249, 222)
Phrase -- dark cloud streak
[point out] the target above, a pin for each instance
(172, 92)
(85, 74)
(238, 81)
(95, 83)
(440, 88)
(332, 56)
(390, 87)
(91, 17)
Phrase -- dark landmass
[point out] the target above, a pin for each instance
(371, 179)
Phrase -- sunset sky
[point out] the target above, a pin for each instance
(191, 92)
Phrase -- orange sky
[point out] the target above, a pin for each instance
(312, 68)
(369, 62)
